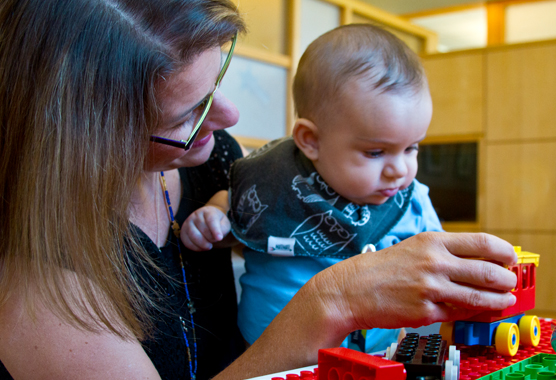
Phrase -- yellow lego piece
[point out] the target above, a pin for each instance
(524, 257)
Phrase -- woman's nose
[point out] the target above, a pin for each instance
(222, 114)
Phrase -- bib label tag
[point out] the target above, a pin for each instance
(280, 246)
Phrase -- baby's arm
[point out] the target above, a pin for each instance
(209, 225)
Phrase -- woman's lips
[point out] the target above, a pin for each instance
(202, 142)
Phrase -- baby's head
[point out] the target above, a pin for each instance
(363, 104)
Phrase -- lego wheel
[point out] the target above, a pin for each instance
(447, 332)
(530, 330)
(506, 339)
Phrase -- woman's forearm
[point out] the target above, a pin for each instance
(294, 337)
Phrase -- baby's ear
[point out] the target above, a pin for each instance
(306, 136)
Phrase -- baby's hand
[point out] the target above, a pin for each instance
(204, 227)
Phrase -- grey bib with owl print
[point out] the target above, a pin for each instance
(280, 205)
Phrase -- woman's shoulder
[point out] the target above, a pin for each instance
(60, 349)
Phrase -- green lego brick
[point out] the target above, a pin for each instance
(538, 367)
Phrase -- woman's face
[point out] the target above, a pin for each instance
(179, 97)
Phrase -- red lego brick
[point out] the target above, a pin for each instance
(343, 363)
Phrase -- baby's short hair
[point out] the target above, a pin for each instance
(349, 51)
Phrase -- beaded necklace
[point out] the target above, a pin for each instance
(176, 228)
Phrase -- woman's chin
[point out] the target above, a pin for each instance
(197, 155)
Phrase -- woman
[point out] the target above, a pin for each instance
(93, 284)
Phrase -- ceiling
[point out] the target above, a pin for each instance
(400, 7)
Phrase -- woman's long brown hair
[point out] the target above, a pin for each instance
(77, 106)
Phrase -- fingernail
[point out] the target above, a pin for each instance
(512, 300)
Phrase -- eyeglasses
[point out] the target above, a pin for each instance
(186, 144)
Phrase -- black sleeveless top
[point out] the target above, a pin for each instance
(210, 283)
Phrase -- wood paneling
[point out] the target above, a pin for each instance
(456, 85)
(521, 93)
(263, 56)
(543, 244)
(266, 23)
(521, 186)
(461, 227)
(415, 43)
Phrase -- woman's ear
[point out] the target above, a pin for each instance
(306, 136)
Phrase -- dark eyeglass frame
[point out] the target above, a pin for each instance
(186, 144)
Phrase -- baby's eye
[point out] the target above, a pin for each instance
(412, 148)
(374, 153)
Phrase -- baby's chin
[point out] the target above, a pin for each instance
(375, 200)
(379, 202)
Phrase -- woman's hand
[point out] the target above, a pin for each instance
(424, 279)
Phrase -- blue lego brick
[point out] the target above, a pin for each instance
(479, 333)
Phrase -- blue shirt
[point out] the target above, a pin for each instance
(270, 282)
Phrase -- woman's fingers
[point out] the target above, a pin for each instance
(461, 262)
(443, 312)
(483, 274)
(479, 245)
(424, 279)
(471, 283)
(477, 299)
(451, 256)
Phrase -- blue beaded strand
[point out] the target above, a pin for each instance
(176, 229)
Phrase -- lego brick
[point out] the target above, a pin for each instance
(305, 373)
(525, 270)
(343, 363)
(423, 357)
(544, 364)
(473, 333)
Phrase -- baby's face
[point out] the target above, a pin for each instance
(368, 142)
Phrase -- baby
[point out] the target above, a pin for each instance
(345, 179)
